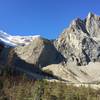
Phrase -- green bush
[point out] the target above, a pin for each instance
(1, 85)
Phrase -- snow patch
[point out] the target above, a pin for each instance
(16, 40)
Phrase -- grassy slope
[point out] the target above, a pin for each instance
(14, 87)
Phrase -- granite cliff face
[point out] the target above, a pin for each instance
(80, 42)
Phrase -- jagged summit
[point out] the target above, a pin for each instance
(89, 25)
(90, 14)
(80, 43)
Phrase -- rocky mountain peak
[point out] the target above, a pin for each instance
(93, 25)
(90, 15)
(75, 22)
(77, 25)
(78, 43)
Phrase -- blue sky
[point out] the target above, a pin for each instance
(45, 17)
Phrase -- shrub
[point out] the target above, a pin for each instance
(48, 71)
(21, 88)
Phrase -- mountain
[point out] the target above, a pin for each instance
(73, 57)
(32, 57)
(9, 40)
(80, 42)
(40, 52)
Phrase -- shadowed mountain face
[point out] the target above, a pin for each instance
(38, 53)
(18, 66)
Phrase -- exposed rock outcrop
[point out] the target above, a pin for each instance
(80, 43)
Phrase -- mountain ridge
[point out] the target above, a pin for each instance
(68, 57)
(11, 40)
